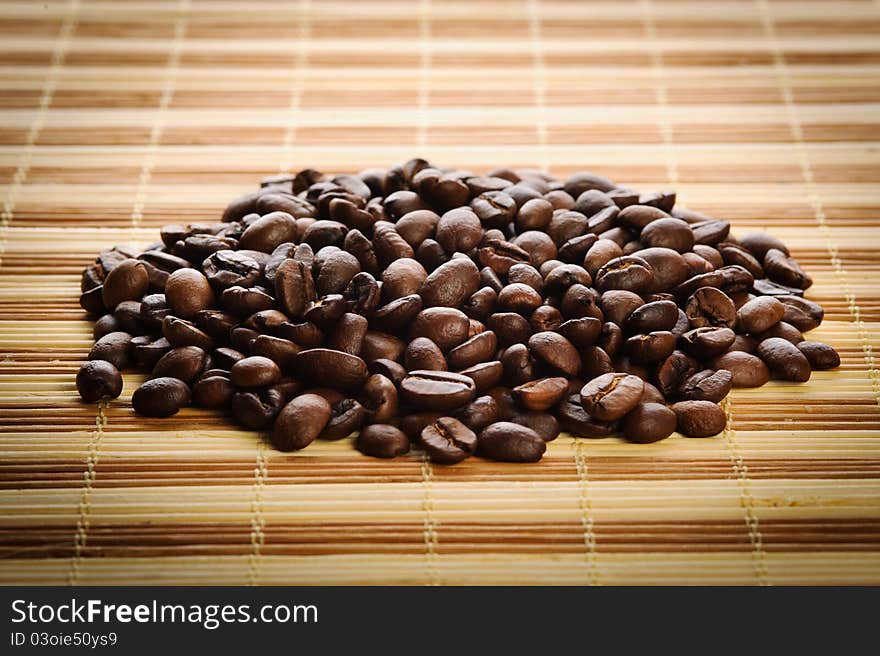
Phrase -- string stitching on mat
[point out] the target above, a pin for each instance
(747, 499)
(171, 70)
(300, 65)
(784, 78)
(50, 85)
(258, 519)
(84, 508)
(660, 91)
(585, 504)
(540, 82)
(429, 532)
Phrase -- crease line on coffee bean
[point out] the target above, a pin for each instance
(784, 78)
(459, 313)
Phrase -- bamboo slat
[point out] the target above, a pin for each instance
(117, 117)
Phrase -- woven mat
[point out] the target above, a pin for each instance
(117, 117)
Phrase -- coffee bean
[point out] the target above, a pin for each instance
(784, 270)
(708, 306)
(255, 371)
(437, 390)
(543, 423)
(479, 348)
(653, 347)
(707, 385)
(128, 281)
(784, 359)
(760, 314)
(446, 327)
(628, 272)
(267, 232)
(450, 284)
(802, 314)
(379, 399)
(485, 375)
(188, 292)
(576, 420)
(699, 418)
(657, 315)
(674, 234)
(381, 345)
(610, 396)
(648, 422)
(161, 397)
(180, 332)
(459, 230)
(422, 353)
(448, 441)
(114, 348)
(227, 268)
(782, 330)
(300, 422)
(820, 356)
(213, 392)
(509, 442)
(518, 297)
(556, 352)
(329, 368)
(674, 371)
(708, 341)
(479, 413)
(382, 441)
(541, 394)
(747, 370)
(98, 379)
(294, 287)
(348, 334)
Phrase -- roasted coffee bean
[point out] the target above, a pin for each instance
(346, 417)
(337, 271)
(544, 318)
(105, 325)
(784, 270)
(509, 327)
(267, 232)
(402, 278)
(450, 284)
(185, 363)
(188, 292)
(653, 347)
(747, 370)
(518, 297)
(180, 332)
(494, 209)
(802, 314)
(648, 422)
(707, 385)
(437, 390)
(479, 348)
(97, 380)
(381, 345)
(379, 399)
(708, 306)
(459, 230)
(699, 418)
(519, 365)
(500, 256)
(657, 315)
(255, 371)
(556, 352)
(161, 397)
(446, 327)
(294, 287)
(480, 304)
(576, 420)
(329, 368)
(820, 356)
(422, 353)
(448, 441)
(479, 413)
(257, 410)
(541, 394)
(382, 441)
(707, 342)
(758, 243)
(324, 312)
(348, 334)
(734, 254)
(114, 348)
(610, 396)
(674, 234)
(229, 268)
(535, 214)
(213, 392)
(128, 281)
(543, 423)
(783, 330)
(485, 375)
(628, 272)
(610, 338)
(760, 314)
(674, 371)
(784, 359)
(300, 422)
(509, 442)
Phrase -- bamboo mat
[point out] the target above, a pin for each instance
(117, 117)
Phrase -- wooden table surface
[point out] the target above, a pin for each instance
(118, 117)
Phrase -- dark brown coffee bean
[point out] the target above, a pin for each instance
(535, 214)
(381, 345)
(337, 271)
(213, 392)
(708, 306)
(541, 394)
(98, 379)
(448, 441)
(669, 233)
(676, 369)
(610, 396)
(639, 216)
(161, 397)
(245, 302)
(747, 370)
(707, 385)
(227, 268)
(255, 371)
(500, 256)
(185, 363)
(538, 245)
(648, 422)
(699, 418)
(188, 292)
(446, 327)
(346, 416)
(479, 348)
(105, 325)
(784, 270)
(459, 230)
(480, 304)
(394, 371)
(382, 441)
(657, 315)
(479, 413)
(450, 284)
(519, 365)
(610, 338)
(379, 399)
(820, 356)
(543, 423)
(581, 332)
(494, 209)
(710, 255)
(708, 342)
(575, 420)
(437, 390)
(128, 281)
(362, 295)
(782, 330)
(556, 352)
(401, 278)
(652, 395)
(485, 375)
(180, 332)
(652, 347)
(518, 297)
(784, 359)
(114, 348)
(300, 422)
(329, 368)
(733, 254)
(744, 343)
(802, 314)
(563, 277)
(294, 287)
(758, 243)
(257, 410)
(415, 227)
(578, 183)
(422, 353)
(509, 442)
(710, 232)
(628, 272)
(326, 311)
(760, 314)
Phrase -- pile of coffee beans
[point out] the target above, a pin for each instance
(465, 314)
